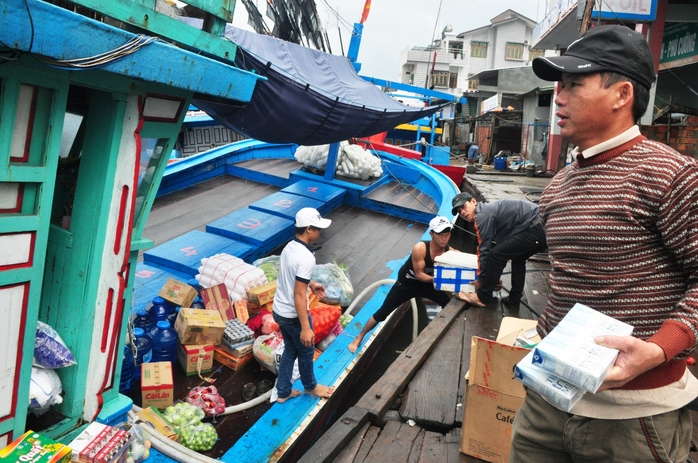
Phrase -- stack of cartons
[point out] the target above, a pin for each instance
(568, 362)
(100, 443)
(198, 330)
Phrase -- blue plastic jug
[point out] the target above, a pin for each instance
(159, 309)
(144, 349)
(173, 316)
(142, 319)
(128, 372)
(164, 343)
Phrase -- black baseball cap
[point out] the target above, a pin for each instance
(604, 48)
(458, 201)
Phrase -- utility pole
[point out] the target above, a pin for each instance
(586, 17)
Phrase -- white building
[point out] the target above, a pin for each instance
(454, 58)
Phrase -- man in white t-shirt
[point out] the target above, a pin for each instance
(290, 309)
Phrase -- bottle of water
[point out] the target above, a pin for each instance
(194, 283)
(142, 319)
(198, 303)
(128, 371)
(173, 316)
(144, 350)
(159, 309)
(164, 343)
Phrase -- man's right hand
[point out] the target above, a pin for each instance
(307, 337)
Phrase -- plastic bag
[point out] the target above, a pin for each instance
(264, 350)
(268, 324)
(325, 343)
(183, 413)
(139, 448)
(208, 399)
(270, 266)
(44, 390)
(49, 349)
(335, 279)
(200, 437)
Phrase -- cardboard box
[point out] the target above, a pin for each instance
(493, 395)
(253, 309)
(154, 418)
(263, 294)
(199, 326)
(178, 293)
(32, 443)
(230, 360)
(195, 359)
(217, 298)
(241, 313)
(157, 386)
(100, 443)
(455, 271)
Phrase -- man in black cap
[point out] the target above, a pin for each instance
(507, 230)
(622, 229)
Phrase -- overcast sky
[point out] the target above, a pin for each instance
(395, 25)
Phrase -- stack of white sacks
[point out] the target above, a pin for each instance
(567, 363)
(352, 160)
(237, 275)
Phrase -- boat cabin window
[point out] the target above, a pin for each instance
(68, 168)
(151, 152)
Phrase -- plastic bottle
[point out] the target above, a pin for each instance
(164, 343)
(159, 309)
(142, 319)
(128, 371)
(144, 350)
(198, 303)
(194, 283)
(173, 316)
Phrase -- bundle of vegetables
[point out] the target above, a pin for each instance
(193, 433)
(352, 160)
(335, 279)
(325, 317)
(270, 266)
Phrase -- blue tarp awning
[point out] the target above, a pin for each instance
(310, 97)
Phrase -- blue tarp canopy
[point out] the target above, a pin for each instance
(310, 97)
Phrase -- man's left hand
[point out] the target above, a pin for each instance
(635, 357)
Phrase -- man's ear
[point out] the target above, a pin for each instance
(625, 95)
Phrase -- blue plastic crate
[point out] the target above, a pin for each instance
(454, 278)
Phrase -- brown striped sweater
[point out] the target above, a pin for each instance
(622, 232)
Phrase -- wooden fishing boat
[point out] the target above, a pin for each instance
(270, 186)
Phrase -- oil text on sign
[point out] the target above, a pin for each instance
(627, 6)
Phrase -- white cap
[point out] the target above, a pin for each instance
(439, 224)
(309, 217)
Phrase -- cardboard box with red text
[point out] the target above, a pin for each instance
(493, 395)
(189, 356)
(156, 385)
(178, 293)
(262, 294)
